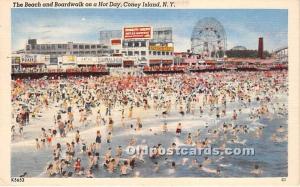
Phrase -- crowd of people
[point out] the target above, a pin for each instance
(90, 114)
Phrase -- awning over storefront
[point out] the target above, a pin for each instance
(210, 62)
(154, 62)
(32, 64)
(114, 64)
(83, 65)
(167, 62)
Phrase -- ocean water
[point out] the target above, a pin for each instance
(270, 156)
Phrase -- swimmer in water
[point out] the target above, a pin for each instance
(189, 140)
(119, 151)
(184, 161)
(193, 164)
(164, 128)
(124, 168)
(256, 171)
(178, 129)
(38, 146)
(280, 129)
(208, 170)
(172, 170)
(156, 167)
(206, 161)
(197, 134)
(277, 139)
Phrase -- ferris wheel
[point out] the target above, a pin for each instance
(208, 38)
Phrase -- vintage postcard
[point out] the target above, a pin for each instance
(156, 92)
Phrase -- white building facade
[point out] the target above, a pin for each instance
(141, 45)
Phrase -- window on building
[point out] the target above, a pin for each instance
(98, 46)
(75, 46)
(158, 52)
(154, 52)
(75, 52)
(86, 46)
(136, 53)
(59, 46)
(53, 46)
(93, 46)
(143, 53)
(130, 53)
(42, 46)
(93, 52)
(48, 47)
(163, 53)
(150, 52)
(87, 52)
(64, 46)
(38, 47)
(167, 53)
(130, 44)
(136, 44)
(80, 46)
(143, 44)
(99, 51)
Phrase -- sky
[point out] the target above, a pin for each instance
(242, 26)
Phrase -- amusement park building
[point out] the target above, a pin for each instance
(70, 48)
(239, 48)
(140, 45)
(135, 45)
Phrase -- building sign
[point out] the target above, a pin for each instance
(29, 59)
(17, 60)
(137, 33)
(110, 60)
(68, 59)
(87, 60)
(71, 58)
(35, 58)
(115, 42)
(160, 48)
